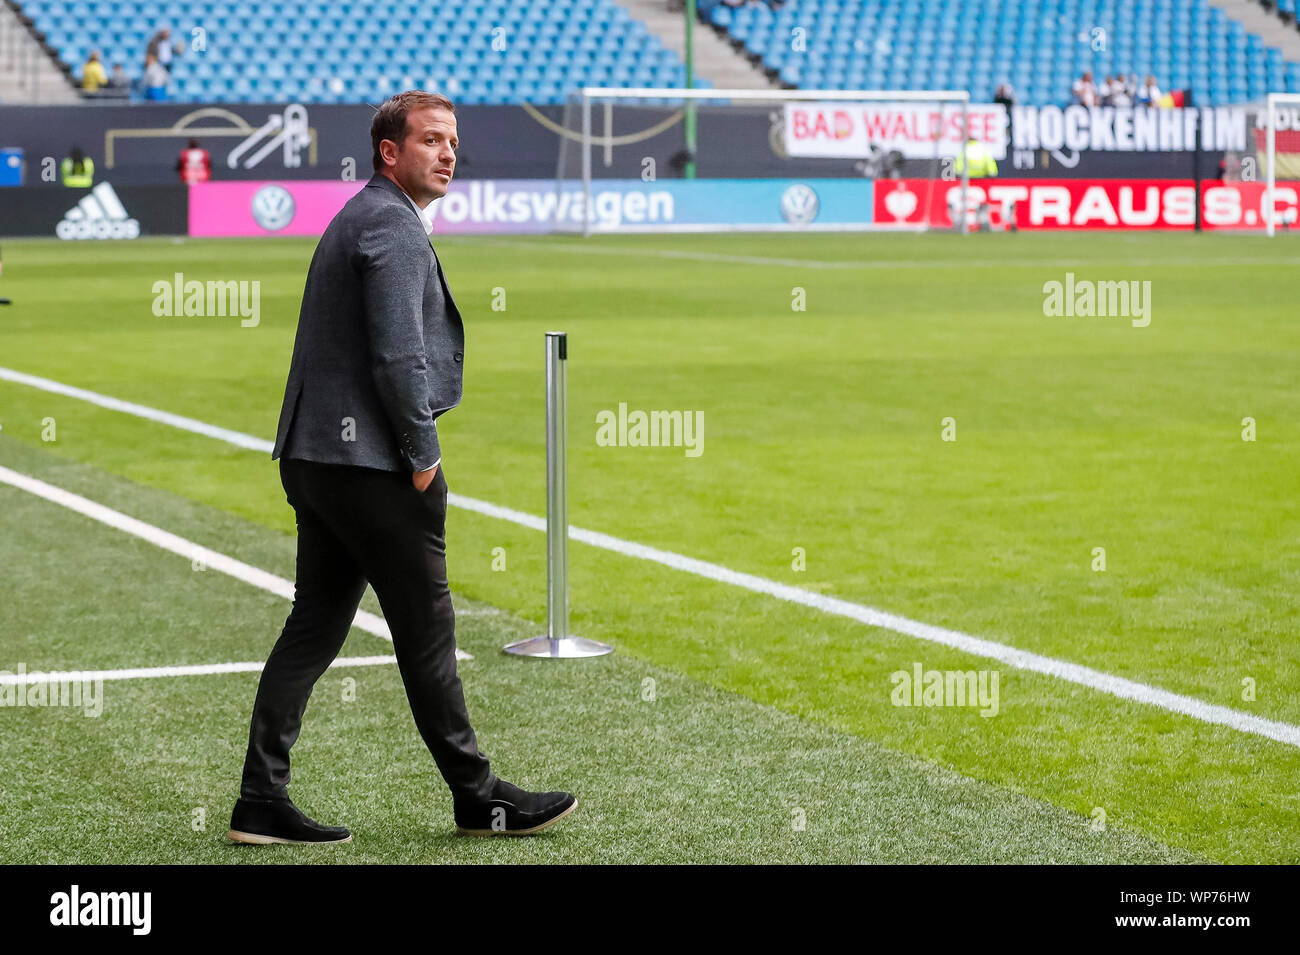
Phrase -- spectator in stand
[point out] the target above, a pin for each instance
(161, 50)
(1131, 87)
(1085, 90)
(1118, 93)
(92, 74)
(1006, 98)
(1149, 92)
(155, 78)
(118, 81)
(194, 164)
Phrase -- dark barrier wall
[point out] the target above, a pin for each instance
(107, 211)
(1086, 164)
(138, 144)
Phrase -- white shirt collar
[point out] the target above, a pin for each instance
(425, 214)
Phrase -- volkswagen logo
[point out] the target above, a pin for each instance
(799, 204)
(273, 207)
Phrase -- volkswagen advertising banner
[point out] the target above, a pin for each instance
(539, 205)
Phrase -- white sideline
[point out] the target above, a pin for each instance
(726, 258)
(141, 411)
(365, 620)
(147, 673)
(1117, 686)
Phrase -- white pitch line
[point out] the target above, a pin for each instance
(140, 411)
(726, 258)
(261, 579)
(149, 673)
(1108, 683)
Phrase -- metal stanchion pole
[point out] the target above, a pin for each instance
(586, 164)
(557, 642)
(1271, 146)
(965, 164)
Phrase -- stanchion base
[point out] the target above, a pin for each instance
(565, 648)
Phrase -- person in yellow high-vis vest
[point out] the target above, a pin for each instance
(980, 160)
(93, 76)
(78, 169)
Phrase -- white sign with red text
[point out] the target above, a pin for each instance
(917, 130)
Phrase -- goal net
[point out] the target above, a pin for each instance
(1257, 186)
(1281, 148)
(706, 160)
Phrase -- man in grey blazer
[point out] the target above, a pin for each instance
(377, 359)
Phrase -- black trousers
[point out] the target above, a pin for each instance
(357, 525)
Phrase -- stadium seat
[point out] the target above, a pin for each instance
(554, 46)
(1040, 46)
(551, 46)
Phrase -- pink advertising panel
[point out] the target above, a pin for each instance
(267, 208)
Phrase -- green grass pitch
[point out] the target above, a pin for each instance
(729, 726)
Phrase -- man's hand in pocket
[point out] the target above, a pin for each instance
(422, 479)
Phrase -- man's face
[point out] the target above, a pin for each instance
(426, 159)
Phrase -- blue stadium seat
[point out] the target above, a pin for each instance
(551, 46)
(1040, 46)
(554, 46)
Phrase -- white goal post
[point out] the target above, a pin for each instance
(587, 218)
(1271, 111)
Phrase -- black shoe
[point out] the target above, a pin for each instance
(512, 812)
(262, 822)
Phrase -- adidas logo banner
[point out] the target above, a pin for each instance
(99, 215)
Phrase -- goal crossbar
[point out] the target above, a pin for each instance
(880, 96)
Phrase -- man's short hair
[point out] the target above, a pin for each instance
(390, 119)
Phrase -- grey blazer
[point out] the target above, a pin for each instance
(380, 343)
